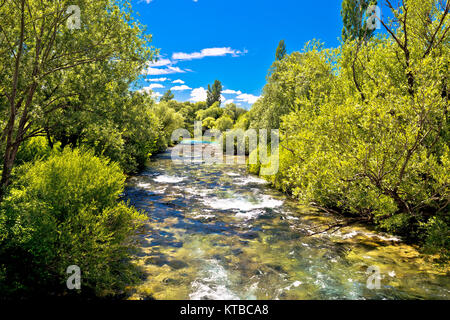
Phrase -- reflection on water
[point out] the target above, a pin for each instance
(215, 232)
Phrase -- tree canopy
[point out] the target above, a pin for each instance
(214, 93)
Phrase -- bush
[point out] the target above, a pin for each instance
(437, 236)
(36, 148)
(169, 121)
(224, 123)
(64, 211)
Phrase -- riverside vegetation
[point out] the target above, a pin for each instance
(364, 132)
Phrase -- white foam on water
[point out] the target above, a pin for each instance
(168, 179)
(204, 216)
(295, 284)
(232, 174)
(150, 187)
(242, 204)
(144, 185)
(197, 192)
(368, 234)
(248, 215)
(250, 179)
(213, 285)
(350, 235)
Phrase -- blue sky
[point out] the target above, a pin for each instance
(233, 41)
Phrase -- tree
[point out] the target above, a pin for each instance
(214, 93)
(167, 96)
(353, 13)
(384, 158)
(290, 81)
(214, 111)
(209, 122)
(224, 123)
(281, 50)
(45, 54)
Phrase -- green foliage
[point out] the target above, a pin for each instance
(224, 123)
(36, 148)
(209, 123)
(290, 82)
(281, 50)
(233, 111)
(243, 122)
(364, 128)
(214, 111)
(139, 129)
(169, 120)
(167, 96)
(64, 211)
(437, 236)
(213, 94)
(66, 80)
(253, 163)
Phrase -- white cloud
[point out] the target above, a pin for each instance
(159, 63)
(156, 95)
(149, 89)
(249, 98)
(158, 71)
(155, 85)
(228, 101)
(208, 52)
(178, 81)
(228, 91)
(180, 88)
(198, 94)
(157, 80)
(153, 68)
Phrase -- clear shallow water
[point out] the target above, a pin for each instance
(215, 232)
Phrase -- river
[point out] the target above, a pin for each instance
(216, 232)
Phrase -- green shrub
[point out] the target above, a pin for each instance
(437, 236)
(65, 211)
(36, 148)
(224, 123)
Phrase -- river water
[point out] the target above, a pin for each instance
(216, 232)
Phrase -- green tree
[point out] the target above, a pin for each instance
(168, 95)
(384, 158)
(290, 81)
(168, 121)
(208, 123)
(224, 123)
(281, 50)
(214, 111)
(214, 93)
(45, 56)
